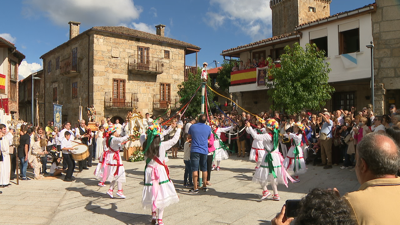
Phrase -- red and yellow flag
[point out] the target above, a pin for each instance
(2, 81)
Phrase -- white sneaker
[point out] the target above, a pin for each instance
(110, 193)
(266, 194)
(218, 168)
(120, 194)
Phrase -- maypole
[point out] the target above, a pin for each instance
(204, 76)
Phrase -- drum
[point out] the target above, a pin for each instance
(80, 153)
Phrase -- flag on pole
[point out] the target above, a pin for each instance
(57, 115)
(2, 83)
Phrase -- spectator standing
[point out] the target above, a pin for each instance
(392, 109)
(378, 126)
(325, 138)
(187, 177)
(199, 134)
(377, 164)
(66, 147)
(5, 164)
(12, 151)
(241, 139)
(23, 150)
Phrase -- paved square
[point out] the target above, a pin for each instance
(232, 198)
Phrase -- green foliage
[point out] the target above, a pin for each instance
(136, 157)
(224, 75)
(302, 81)
(186, 91)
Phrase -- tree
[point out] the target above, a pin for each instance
(302, 80)
(186, 91)
(224, 75)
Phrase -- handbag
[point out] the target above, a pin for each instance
(323, 136)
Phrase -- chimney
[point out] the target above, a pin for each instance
(160, 30)
(73, 29)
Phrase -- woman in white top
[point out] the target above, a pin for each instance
(220, 153)
(294, 160)
(99, 142)
(5, 165)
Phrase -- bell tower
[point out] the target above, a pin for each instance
(287, 14)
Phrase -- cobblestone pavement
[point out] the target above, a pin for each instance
(231, 199)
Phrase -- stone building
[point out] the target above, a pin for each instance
(386, 33)
(10, 59)
(25, 99)
(287, 14)
(114, 69)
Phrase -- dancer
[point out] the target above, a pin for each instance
(271, 170)
(110, 167)
(99, 142)
(257, 148)
(294, 159)
(159, 191)
(220, 153)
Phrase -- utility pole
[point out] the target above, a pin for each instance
(371, 46)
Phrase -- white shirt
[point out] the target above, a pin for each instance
(66, 144)
(186, 151)
(10, 138)
(53, 168)
(379, 128)
(187, 126)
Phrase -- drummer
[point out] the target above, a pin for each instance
(81, 133)
(67, 129)
(66, 147)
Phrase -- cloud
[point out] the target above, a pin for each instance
(88, 12)
(253, 17)
(23, 46)
(154, 11)
(144, 27)
(25, 69)
(8, 37)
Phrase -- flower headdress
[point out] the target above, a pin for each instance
(152, 132)
(274, 126)
(300, 126)
(261, 120)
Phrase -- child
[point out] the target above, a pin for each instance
(257, 148)
(220, 153)
(210, 156)
(111, 168)
(270, 170)
(54, 170)
(159, 191)
(294, 159)
(188, 168)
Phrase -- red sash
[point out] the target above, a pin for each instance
(157, 160)
(116, 157)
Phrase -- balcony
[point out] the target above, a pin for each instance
(163, 105)
(120, 103)
(248, 76)
(69, 68)
(188, 70)
(147, 66)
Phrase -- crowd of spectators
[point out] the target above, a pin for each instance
(249, 64)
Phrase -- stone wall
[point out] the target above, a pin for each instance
(386, 34)
(64, 83)
(111, 61)
(254, 101)
(288, 14)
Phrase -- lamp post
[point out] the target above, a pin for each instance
(33, 96)
(371, 46)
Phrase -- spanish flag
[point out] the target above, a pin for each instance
(2, 82)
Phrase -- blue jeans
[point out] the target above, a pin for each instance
(188, 173)
(198, 160)
(24, 166)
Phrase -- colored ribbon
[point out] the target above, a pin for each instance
(221, 144)
(155, 177)
(269, 160)
(116, 157)
(276, 138)
(296, 153)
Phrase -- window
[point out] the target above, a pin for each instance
(58, 63)
(165, 94)
(257, 55)
(343, 100)
(49, 66)
(312, 9)
(54, 94)
(13, 70)
(74, 59)
(143, 58)
(118, 92)
(74, 90)
(166, 54)
(349, 41)
(322, 44)
(276, 53)
(13, 91)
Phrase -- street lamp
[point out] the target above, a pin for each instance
(371, 46)
(32, 105)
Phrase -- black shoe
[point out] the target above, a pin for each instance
(68, 179)
(80, 170)
(327, 167)
(85, 168)
(204, 189)
(321, 164)
(192, 191)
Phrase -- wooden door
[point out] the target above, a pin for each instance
(143, 58)
(165, 95)
(118, 93)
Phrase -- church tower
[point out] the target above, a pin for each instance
(287, 14)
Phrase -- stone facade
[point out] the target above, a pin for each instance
(103, 57)
(386, 33)
(287, 14)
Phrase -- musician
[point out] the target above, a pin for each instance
(66, 147)
(82, 134)
(13, 154)
(61, 137)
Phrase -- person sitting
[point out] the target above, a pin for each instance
(377, 164)
(319, 207)
(235, 67)
(54, 169)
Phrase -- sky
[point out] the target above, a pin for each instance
(37, 26)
